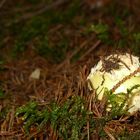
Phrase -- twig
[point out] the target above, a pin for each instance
(91, 49)
(2, 3)
(125, 79)
(109, 134)
(40, 11)
(7, 133)
(74, 53)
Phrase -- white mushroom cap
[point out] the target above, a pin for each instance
(134, 104)
(101, 79)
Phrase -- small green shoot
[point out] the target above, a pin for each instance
(99, 28)
(102, 32)
(2, 95)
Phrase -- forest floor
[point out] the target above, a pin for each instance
(46, 53)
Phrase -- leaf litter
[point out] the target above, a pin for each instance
(59, 83)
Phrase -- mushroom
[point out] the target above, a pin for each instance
(117, 72)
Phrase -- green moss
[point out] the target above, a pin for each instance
(68, 119)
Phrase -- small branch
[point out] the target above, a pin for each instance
(125, 79)
(73, 54)
(91, 49)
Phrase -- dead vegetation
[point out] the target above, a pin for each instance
(62, 85)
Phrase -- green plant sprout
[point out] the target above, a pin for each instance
(102, 31)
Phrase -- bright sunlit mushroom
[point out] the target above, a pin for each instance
(112, 69)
